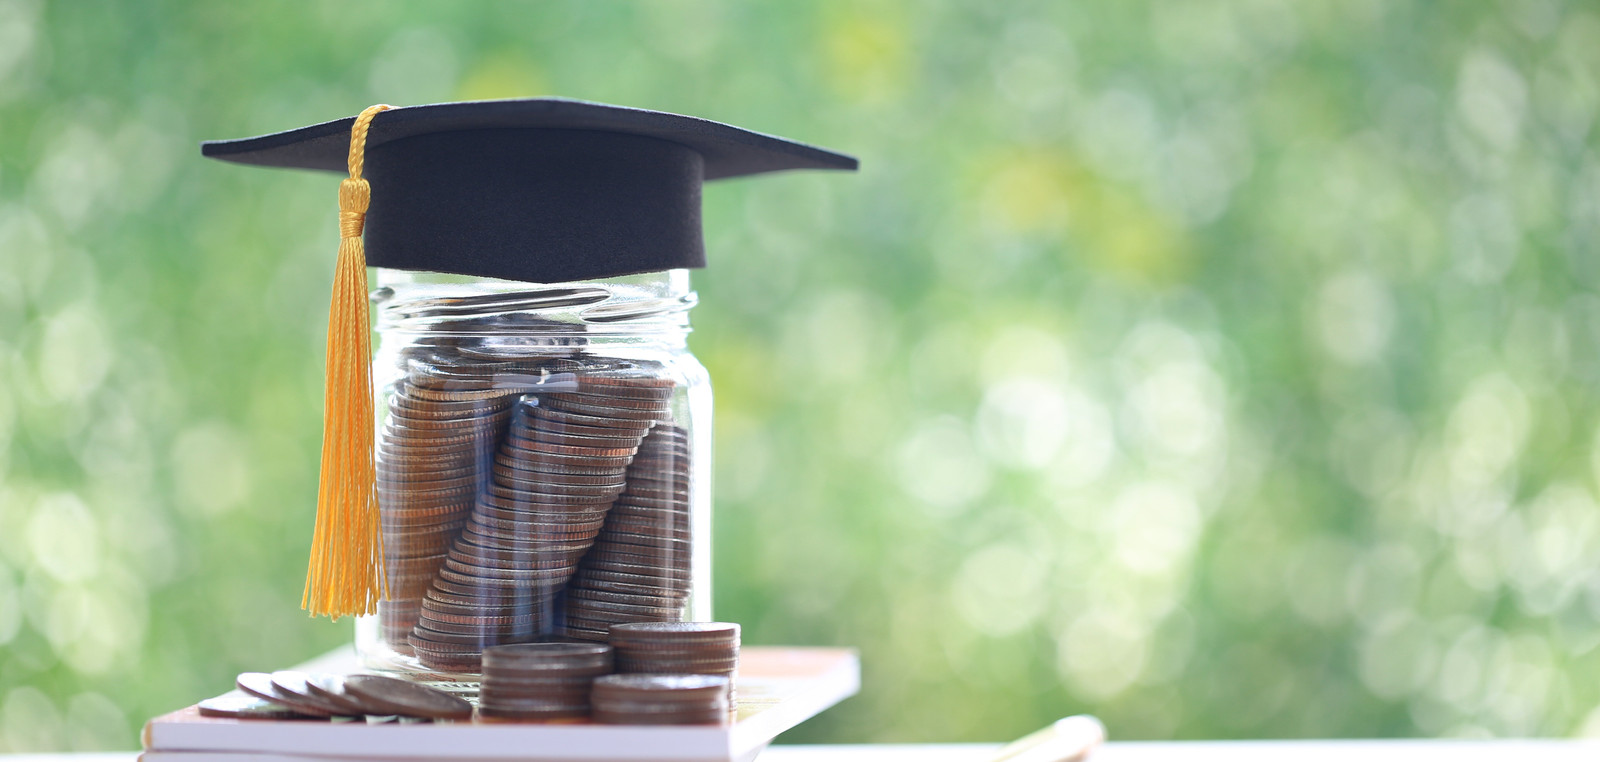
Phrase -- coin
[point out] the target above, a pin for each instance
(681, 632)
(660, 699)
(548, 659)
(540, 681)
(259, 684)
(330, 687)
(557, 403)
(242, 707)
(407, 698)
(601, 421)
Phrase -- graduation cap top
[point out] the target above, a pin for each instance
(537, 189)
(545, 190)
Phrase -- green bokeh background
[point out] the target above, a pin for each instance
(1225, 369)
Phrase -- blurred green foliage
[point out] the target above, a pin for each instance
(1223, 368)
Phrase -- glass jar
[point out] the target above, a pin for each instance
(543, 458)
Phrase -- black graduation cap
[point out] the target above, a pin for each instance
(534, 189)
(544, 190)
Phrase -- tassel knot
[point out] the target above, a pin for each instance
(355, 194)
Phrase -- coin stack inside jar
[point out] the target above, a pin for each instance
(638, 568)
(541, 681)
(678, 648)
(444, 423)
(660, 700)
(498, 476)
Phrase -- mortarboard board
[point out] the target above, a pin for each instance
(543, 190)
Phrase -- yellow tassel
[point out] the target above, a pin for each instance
(345, 576)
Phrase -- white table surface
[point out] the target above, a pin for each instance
(1224, 751)
(1127, 751)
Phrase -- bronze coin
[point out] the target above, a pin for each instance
(491, 582)
(677, 665)
(400, 430)
(657, 387)
(660, 689)
(484, 560)
(534, 698)
(557, 404)
(647, 587)
(508, 664)
(447, 662)
(420, 482)
(611, 402)
(406, 400)
(475, 590)
(437, 415)
(444, 602)
(683, 632)
(648, 471)
(259, 684)
(423, 393)
(625, 511)
(501, 682)
(534, 423)
(495, 713)
(651, 529)
(423, 521)
(295, 684)
(484, 621)
(499, 633)
(533, 489)
(524, 445)
(718, 715)
(653, 570)
(535, 461)
(555, 546)
(590, 617)
(586, 515)
(535, 504)
(498, 521)
(627, 507)
(679, 571)
(482, 574)
(437, 639)
(407, 698)
(581, 633)
(613, 480)
(590, 608)
(569, 418)
(613, 472)
(237, 707)
(584, 594)
(419, 545)
(555, 437)
(482, 556)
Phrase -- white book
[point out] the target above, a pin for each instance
(776, 689)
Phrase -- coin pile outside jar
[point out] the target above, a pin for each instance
(660, 700)
(534, 480)
(678, 648)
(540, 681)
(288, 694)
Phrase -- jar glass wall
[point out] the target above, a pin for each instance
(543, 456)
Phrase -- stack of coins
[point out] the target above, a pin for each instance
(444, 422)
(540, 681)
(660, 700)
(559, 467)
(678, 648)
(638, 569)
